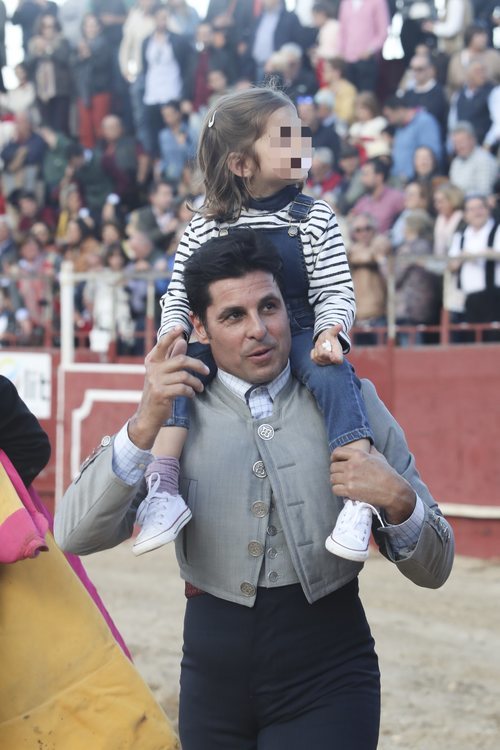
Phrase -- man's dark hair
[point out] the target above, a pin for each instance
(380, 166)
(230, 257)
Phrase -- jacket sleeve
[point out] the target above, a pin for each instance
(98, 509)
(429, 563)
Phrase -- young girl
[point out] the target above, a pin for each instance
(254, 155)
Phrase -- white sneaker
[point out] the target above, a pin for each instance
(161, 516)
(351, 536)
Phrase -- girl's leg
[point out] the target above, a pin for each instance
(337, 392)
(163, 512)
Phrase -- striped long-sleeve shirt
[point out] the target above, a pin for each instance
(331, 292)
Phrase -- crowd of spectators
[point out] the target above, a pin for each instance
(98, 142)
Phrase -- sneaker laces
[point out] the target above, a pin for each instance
(354, 516)
(154, 504)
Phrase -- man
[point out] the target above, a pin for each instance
(472, 169)
(158, 219)
(479, 280)
(277, 651)
(380, 201)
(323, 135)
(22, 156)
(414, 128)
(423, 90)
(273, 27)
(478, 102)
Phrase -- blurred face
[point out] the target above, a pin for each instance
(362, 230)
(476, 75)
(111, 128)
(29, 250)
(369, 178)
(48, 27)
(217, 81)
(73, 234)
(413, 196)
(28, 207)
(247, 327)
(161, 20)
(74, 202)
(91, 27)
(479, 41)
(442, 204)
(421, 69)
(162, 198)
(116, 261)
(423, 161)
(476, 214)
(171, 116)
(41, 232)
(284, 153)
(110, 234)
(463, 144)
(363, 114)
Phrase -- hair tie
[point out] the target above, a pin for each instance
(212, 119)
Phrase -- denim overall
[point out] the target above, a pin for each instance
(335, 388)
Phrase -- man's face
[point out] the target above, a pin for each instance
(463, 143)
(247, 327)
(476, 213)
(422, 70)
(162, 198)
(369, 178)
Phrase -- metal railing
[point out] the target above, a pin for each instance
(56, 322)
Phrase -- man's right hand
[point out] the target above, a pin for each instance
(167, 377)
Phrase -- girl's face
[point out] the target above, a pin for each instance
(91, 27)
(413, 197)
(110, 234)
(284, 153)
(116, 261)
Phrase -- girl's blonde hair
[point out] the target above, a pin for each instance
(232, 126)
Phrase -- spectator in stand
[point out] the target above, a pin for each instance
(297, 80)
(368, 126)
(27, 14)
(382, 202)
(472, 168)
(274, 27)
(8, 247)
(71, 15)
(210, 55)
(22, 157)
(112, 14)
(48, 63)
(480, 234)
(138, 26)
(176, 140)
(476, 48)
(333, 75)
(414, 128)
(478, 102)
(324, 17)
(416, 198)
(423, 90)
(323, 135)
(322, 177)
(350, 187)
(30, 211)
(44, 234)
(22, 98)
(412, 33)
(450, 29)
(93, 76)
(218, 86)
(118, 155)
(425, 167)
(367, 253)
(167, 63)
(448, 205)
(363, 31)
(418, 290)
(33, 279)
(85, 171)
(184, 19)
(157, 220)
(237, 15)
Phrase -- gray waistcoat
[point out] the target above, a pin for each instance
(221, 549)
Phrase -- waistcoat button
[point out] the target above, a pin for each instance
(105, 441)
(255, 549)
(266, 432)
(259, 509)
(272, 530)
(272, 552)
(273, 576)
(259, 469)
(247, 589)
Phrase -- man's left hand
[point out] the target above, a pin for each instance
(369, 477)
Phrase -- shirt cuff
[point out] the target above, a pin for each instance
(403, 537)
(129, 461)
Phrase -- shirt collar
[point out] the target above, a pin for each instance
(277, 201)
(240, 388)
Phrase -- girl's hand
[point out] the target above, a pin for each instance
(328, 349)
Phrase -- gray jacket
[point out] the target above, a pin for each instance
(218, 483)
